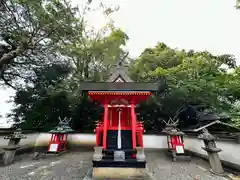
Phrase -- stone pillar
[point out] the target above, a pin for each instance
(140, 154)
(212, 151)
(97, 156)
(238, 138)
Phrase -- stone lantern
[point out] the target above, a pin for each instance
(13, 145)
(212, 151)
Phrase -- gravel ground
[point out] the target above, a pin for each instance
(160, 167)
(74, 166)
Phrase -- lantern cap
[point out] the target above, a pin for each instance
(17, 134)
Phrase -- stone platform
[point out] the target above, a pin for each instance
(77, 166)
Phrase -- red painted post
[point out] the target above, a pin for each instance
(133, 115)
(97, 135)
(105, 125)
(66, 138)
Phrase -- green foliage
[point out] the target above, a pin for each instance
(238, 4)
(53, 50)
(36, 106)
(33, 29)
(53, 90)
(192, 78)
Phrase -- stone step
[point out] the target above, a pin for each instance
(123, 176)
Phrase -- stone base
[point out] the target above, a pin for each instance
(56, 153)
(219, 174)
(8, 157)
(119, 173)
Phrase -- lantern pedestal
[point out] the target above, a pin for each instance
(97, 156)
(140, 154)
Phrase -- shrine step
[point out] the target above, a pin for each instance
(109, 173)
(125, 150)
(111, 157)
(117, 173)
(133, 163)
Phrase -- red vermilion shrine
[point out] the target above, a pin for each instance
(119, 114)
(119, 134)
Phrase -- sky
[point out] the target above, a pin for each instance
(211, 25)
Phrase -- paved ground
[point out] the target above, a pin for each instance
(74, 166)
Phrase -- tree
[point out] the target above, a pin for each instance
(192, 78)
(94, 53)
(52, 93)
(35, 106)
(238, 4)
(32, 29)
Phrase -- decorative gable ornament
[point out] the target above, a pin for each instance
(119, 79)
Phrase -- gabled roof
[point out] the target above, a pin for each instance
(120, 81)
(119, 74)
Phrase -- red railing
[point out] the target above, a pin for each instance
(139, 131)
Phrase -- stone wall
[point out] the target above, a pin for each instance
(230, 149)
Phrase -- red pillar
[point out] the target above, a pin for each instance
(133, 115)
(105, 125)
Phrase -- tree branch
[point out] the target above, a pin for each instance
(8, 57)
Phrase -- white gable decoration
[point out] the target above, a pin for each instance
(119, 79)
